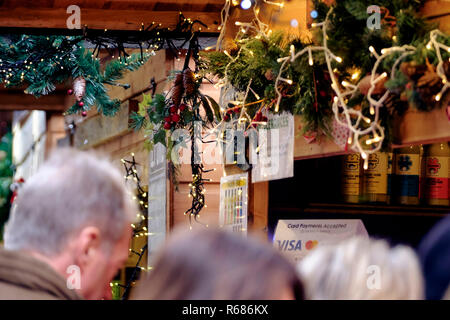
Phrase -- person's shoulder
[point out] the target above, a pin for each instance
(10, 291)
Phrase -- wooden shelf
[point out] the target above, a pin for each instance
(411, 129)
(422, 128)
(304, 150)
(370, 209)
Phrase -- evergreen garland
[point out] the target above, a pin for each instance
(42, 62)
(183, 107)
(256, 61)
(254, 58)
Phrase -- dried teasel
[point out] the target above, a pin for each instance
(188, 81)
(178, 79)
(178, 89)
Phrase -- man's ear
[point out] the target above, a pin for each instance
(87, 244)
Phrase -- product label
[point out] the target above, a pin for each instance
(436, 183)
(407, 169)
(390, 170)
(376, 174)
(351, 175)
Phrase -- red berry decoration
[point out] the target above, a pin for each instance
(264, 118)
(175, 117)
(81, 103)
(226, 118)
(84, 113)
(70, 92)
(167, 125)
(168, 119)
(173, 109)
(237, 110)
(182, 107)
(258, 116)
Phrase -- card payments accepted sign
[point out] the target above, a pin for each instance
(296, 238)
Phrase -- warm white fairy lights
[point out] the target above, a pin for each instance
(261, 29)
(224, 14)
(371, 131)
(437, 46)
(366, 135)
(278, 4)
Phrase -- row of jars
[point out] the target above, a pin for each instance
(412, 175)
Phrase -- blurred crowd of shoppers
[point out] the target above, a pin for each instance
(70, 230)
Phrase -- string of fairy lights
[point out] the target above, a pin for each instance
(261, 29)
(374, 134)
(366, 134)
(141, 196)
(140, 228)
(437, 46)
(41, 61)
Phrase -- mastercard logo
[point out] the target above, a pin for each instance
(311, 244)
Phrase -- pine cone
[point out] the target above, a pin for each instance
(79, 88)
(446, 67)
(178, 89)
(408, 68)
(269, 75)
(430, 78)
(178, 79)
(412, 70)
(231, 47)
(364, 86)
(188, 81)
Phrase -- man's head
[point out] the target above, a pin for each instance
(75, 211)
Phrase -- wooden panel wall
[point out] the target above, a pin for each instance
(438, 11)
(55, 131)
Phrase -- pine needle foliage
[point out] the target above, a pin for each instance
(40, 63)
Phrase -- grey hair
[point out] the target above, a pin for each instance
(447, 294)
(341, 271)
(72, 190)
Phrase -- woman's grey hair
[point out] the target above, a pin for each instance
(211, 264)
(361, 269)
(72, 190)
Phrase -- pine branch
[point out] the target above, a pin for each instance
(137, 122)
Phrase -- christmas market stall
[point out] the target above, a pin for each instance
(355, 99)
(300, 122)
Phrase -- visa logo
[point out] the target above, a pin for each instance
(289, 245)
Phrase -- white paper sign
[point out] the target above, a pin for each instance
(274, 157)
(233, 202)
(295, 238)
(157, 197)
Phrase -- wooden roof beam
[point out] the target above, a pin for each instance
(17, 100)
(100, 19)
